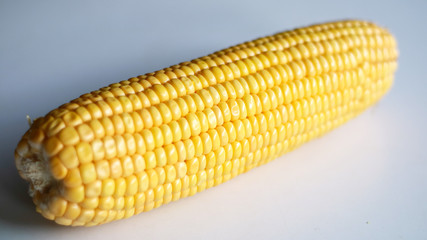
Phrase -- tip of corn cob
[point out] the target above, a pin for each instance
(36, 172)
(33, 166)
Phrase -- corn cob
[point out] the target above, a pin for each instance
(144, 142)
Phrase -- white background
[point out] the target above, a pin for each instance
(365, 180)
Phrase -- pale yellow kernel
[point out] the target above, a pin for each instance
(218, 171)
(218, 93)
(190, 103)
(152, 96)
(204, 124)
(139, 144)
(158, 136)
(161, 92)
(223, 113)
(129, 203)
(69, 136)
(144, 180)
(207, 161)
(263, 123)
(104, 107)
(58, 170)
(146, 118)
(245, 147)
(223, 135)
(159, 193)
(181, 130)
(192, 166)
(93, 189)
(120, 212)
(253, 84)
(153, 178)
(185, 186)
(51, 147)
(252, 143)
(237, 149)
(86, 215)
(94, 110)
(138, 123)
(157, 117)
(271, 120)
(206, 143)
(161, 174)
(215, 140)
(231, 131)
(181, 169)
(57, 206)
(176, 186)
(221, 155)
(138, 163)
(116, 169)
(55, 127)
(139, 200)
(100, 216)
(181, 151)
(166, 134)
(218, 115)
(254, 124)
(136, 102)
(240, 130)
(174, 109)
(246, 129)
(210, 174)
(109, 147)
(73, 178)
(131, 185)
(189, 149)
(120, 187)
(87, 172)
(170, 173)
(227, 166)
(128, 123)
(90, 203)
(72, 119)
(72, 211)
(127, 166)
(127, 143)
(119, 127)
(194, 123)
(84, 152)
(201, 180)
(198, 145)
(212, 97)
(46, 214)
(74, 194)
(148, 138)
(85, 132)
(167, 197)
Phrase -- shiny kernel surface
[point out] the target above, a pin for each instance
(138, 144)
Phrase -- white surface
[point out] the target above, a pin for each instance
(365, 180)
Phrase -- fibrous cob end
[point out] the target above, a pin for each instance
(32, 165)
